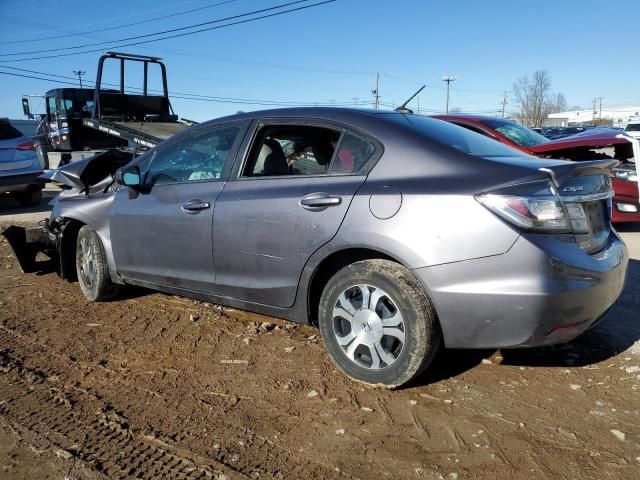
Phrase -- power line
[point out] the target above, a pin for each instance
(122, 25)
(177, 35)
(189, 96)
(172, 30)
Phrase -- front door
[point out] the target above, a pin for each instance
(162, 233)
(288, 200)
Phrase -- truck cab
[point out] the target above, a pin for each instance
(61, 129)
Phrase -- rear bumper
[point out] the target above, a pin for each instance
(545, 290)
(20, 182)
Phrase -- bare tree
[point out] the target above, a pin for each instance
(535, 99)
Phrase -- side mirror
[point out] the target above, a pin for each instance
(26, 109)
(128, 176)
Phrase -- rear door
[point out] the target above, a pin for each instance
(288, 198)
(162, 234)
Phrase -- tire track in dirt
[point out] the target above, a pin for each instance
(86, 428)
(68, 383)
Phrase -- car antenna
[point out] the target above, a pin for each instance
(403, 108)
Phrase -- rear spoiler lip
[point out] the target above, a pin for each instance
(559, 173)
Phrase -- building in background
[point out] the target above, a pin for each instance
(616, 116)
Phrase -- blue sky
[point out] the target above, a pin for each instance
(331, 53)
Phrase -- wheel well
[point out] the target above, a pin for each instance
(329, 267)
(68, 243)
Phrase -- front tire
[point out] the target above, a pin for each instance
(92, 268)
(378, 323)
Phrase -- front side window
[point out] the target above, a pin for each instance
(195, 158)
(291, 150)
(51, 102)
(633, 127)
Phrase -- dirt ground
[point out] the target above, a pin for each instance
(156, 386)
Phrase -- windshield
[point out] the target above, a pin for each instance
(523, 136)
(76, 103)
(459, 138)
(633, 127)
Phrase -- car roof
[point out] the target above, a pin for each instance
(466, 116)
(318, 113)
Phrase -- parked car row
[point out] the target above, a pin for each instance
(633, 129)
(553, 133)
(396, 234)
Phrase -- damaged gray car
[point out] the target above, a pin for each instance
(396, 234)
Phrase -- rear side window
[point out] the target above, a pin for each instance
(353, 154)
(8, 131)
(291, 150)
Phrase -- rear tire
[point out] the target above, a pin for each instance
(29, 198)
(378, 323)
(92, 268)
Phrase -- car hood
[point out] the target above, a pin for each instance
(96, 171)
(594, 138)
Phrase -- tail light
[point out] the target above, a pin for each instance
(26, 146)
(544, 214)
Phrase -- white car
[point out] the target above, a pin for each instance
(633, 129)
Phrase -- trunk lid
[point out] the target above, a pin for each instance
(588, 185)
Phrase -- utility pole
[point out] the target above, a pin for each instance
(79, 73)
(418, 100)
(355, 101)
(376, 92)
(504, 103)
(594, 101)
(448, 79)
(600, 114)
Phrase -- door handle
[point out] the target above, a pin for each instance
(194, 206)
(320, 201)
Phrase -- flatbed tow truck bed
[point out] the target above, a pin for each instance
(147, 134)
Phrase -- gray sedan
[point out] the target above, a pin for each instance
(395, 233)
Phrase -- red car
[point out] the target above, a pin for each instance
(593, 144)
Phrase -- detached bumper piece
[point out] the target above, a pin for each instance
(26, 243)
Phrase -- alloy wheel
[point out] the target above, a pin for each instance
(369, 327)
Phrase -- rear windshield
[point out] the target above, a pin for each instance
(8, 131)
(460, 138)
(523, 136)
(633, 127)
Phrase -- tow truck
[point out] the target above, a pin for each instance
(83, 122)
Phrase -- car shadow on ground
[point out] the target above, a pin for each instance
(616, 333)
(8, 206)
(628, 227)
